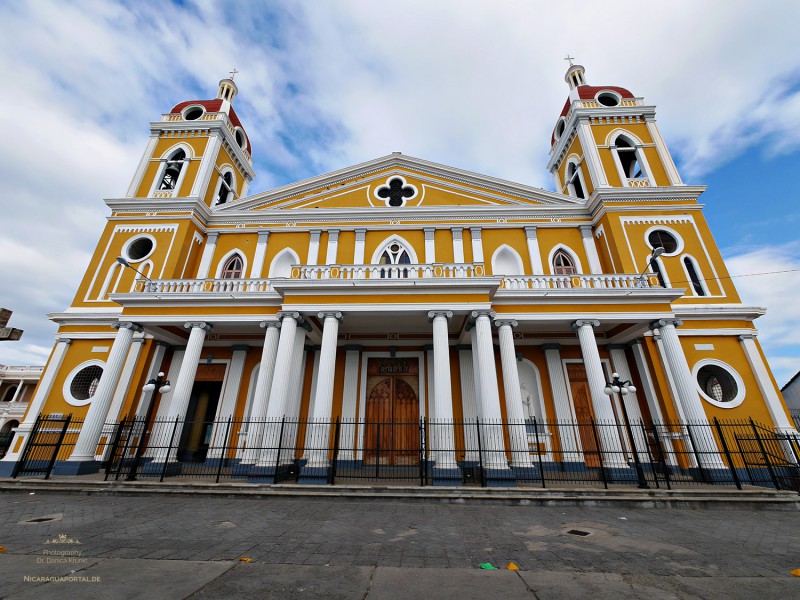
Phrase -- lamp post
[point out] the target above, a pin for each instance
(151, 285)
(653, 255)
(162, 386)
(615, 386)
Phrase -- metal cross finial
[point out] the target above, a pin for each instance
(570, 59)
(234, 72)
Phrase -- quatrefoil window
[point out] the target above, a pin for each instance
(396, 191)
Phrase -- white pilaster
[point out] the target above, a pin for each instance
(477, 244)
(313, 247)
(591, 155)
(634, 412)
(323, 402)
(444, 438)
(258, 258)
(233, 382)
(430, 245)
(123, 387)
(591, 249)
(358, 256)
(86, 445)
(152, 372)
(570, 448)
(333, 247)
(458, 245)
(663, 153)
(182, 391)
(143, 164)
(258, 412)
(207, 164)
(533, 250)
(469, 407)
(515, 412)
(349, 400)
(768, 391)
(208, 255)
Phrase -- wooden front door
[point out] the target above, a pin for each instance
(584, 413)
(391, 430)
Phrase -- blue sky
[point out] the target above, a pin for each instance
(324, 85)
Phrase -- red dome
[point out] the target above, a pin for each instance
(214, 106)
(588, 92)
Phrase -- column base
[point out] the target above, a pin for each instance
(315, 475)
(76, 467)
(155, 469)
(446, 476)
(267, 474)
(499, 478)
(7, 467)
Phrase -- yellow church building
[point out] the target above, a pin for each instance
(351, 307)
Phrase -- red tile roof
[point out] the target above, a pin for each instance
(588, 92)
(214, 106)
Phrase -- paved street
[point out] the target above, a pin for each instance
(182, 546)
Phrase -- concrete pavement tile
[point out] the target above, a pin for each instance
(15, 567)
(288, 582)
(549, 585)
(446, 584)
(124, 579)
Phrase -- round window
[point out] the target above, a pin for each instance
(559, 129)
(240, 138)
(85, 382)
(140, 248)
(193, 113)
(659, 238)
(608, 99)
(719, 384)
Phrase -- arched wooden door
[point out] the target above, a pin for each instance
(584, 413)
(391, 430)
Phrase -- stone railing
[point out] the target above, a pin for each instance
(565, 282)
(418, 271)
(641, 182)
(203, 286)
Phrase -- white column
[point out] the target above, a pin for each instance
(18, 390)
(358, 256)
(258, 259)
(591, 249)
(469, 405)
(294, 399)
(477, 244)
(279, 389)
(266, 370)
(443, 393)
(86, 446)
(208, 255)
(333, 247)
(227, 407)
(430, 245)
(207, 163)
(313, 247)
(592, 156)
(323, 401)
(663, 153)
(152, 372)
(431, 373)
(768, 391)
(603, 412)
(174, 370)
(533, 250)
(125, 380)
(458, 245)
(688, 396)
(515, 412)
(42, 392)
(182, 391)
(570, 446)
(620, 363)
(491, 418)
(349, 401)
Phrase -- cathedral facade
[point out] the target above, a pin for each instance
(400, 289)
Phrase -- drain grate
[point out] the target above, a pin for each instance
(578, 532)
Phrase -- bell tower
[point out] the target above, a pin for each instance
(198, 150)
(606, 138)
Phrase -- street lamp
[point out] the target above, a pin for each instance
(615, 386)
(151, 285)
(653, 255)
(162, 386)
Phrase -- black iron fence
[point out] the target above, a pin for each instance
(795, 414)
(432, 452)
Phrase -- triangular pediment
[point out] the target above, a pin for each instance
(400, 180)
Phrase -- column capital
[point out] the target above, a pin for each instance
(353, 348)
(547, 347)
(263, 236)
(268, 324)
(483, 313)
(636, 342)
(361, 233)
(447, 314)
(330, 314)
(665, 322)
(211, 237)
(530, 232)
(617, 347)
(315, 233)
(135, 327)
(64, 340)
(429, 231)
(333, 234)
(198, 324)
(289, 314)
(505, 322)
(586, 230)
(583, 322)
(748, 336)
(240, 348)
(457, 232)
(475, 230)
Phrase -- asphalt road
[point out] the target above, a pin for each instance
(181, 546)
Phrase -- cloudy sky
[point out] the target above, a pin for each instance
(477, 85)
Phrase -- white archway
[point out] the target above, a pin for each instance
(394, 239)
(507, 261)
(281, 265)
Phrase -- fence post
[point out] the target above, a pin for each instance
(280, 446)
(423, 466)
(378, 452)
(696, 454)
(663, 456)
(480, 451)
(58, 446)
(599, 453)
(125, 449)
(332, 468)
(775, 481)
(169, 448)
(114, 448)
(727, 454)
(538, 448)
(25, 453)
(649, 453)
(224, 453)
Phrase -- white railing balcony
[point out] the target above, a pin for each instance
(564, 282)
(203, 286)
(418, 271)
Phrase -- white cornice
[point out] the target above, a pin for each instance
(718, 311)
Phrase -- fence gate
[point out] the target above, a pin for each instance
(41, 452)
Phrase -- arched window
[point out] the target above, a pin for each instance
(563, 264)
(233, 268)
(628, 159)
(172, 171)
(655, 266)
(575, 181)
(281, 265)
(9, 395)
(506, 261)
(694, 277)
(394, 254)
(225, 188)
